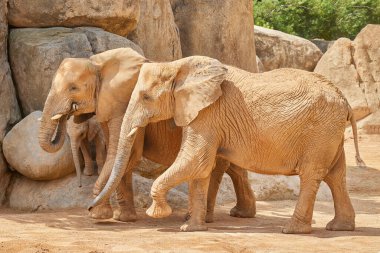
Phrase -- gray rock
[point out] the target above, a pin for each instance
(24, 154)
(35, 55)
(353, 66)
(221, 29)
(120, 16)
(9, 109)
(270, 187)
(156, 32)
(26, 194)
(322, 44)
(280, 50)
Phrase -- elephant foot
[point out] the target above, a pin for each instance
(187, 216)
(101, 212)
(341, 225)
(243, 212)
(159, 210)
(295, 226)
(125, 215)
(187, 227)
(209, 217)
(88, 171)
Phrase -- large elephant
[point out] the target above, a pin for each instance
(102, 85)
(285, 121)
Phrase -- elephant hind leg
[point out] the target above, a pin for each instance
(246, 201)
(344, 219)
(300, 222)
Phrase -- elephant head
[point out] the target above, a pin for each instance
(101, 84)
(178, 89)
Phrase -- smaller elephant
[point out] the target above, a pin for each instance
(82, 135)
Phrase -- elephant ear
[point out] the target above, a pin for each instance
(118, 69)
(197, 85)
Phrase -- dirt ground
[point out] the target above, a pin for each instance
(72, 231)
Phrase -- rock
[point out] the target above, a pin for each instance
(269, 187)
(35, 55)
(322, 44)
(367, 61)
(338, 66)
(370, 124)
(24, 154)
(120, 16)
(101, 40)
(221, 29)
(9, 109)
(30, 195)
(280, 50)
(260, 66)
(156, 32)
(353, 66)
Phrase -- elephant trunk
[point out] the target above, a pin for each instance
(52, 131)
(75, 152)
(126, 141)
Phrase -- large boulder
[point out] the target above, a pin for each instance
(156, 32)
(35, 55)
(9, 109)
(24, 154)
(120, 16)
(271, 187)
(221, 29)
(354, 67)
(280, 50)
(338, 66)
(64, 193)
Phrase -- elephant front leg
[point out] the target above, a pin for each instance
(189, 165)
(198, 195)
(216, 178)
(124, 197)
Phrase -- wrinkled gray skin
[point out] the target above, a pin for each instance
(82, 135)
(103, 84)
(286, 121)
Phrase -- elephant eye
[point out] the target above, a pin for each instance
(73, 88)
(146, 97)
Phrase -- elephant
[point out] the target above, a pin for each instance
(286, 121)
(81, 136)
(102, 85)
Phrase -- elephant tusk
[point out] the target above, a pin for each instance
(57, 116)
(132, 132)
(39, 119)
(75, 107)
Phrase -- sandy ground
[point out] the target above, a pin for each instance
(72, 231)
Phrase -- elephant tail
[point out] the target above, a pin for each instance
(351, 118)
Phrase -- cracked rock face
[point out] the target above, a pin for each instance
(119, 16)
(35, 55)
(281, 50)
(156, 31)
(9, 109)
(354, 66)
(220, 29)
